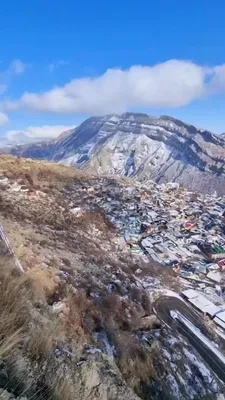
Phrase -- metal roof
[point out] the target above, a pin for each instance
(221, 315)
(190, 293)
(203, 304)
(200, 302)
(219, 322)
(212, 309)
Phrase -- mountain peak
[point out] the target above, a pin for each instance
(140, 146)
(134, 115)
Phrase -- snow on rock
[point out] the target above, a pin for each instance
(171, 293)
(197, 332)
(162, 148)
(76, 211)
(174, 387)
(205, 372)
(102, 338)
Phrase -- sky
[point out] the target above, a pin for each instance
(63, 61)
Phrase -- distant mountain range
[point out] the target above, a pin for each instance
(142, 146)
(20, 138)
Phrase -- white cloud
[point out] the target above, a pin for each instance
(3, 119)
(3, 88)
(217, 83)
(33, 133)
(174, 83)
(57, 64)
(51, 67)
(16, 67)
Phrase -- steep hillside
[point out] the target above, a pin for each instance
(77, 319)
(137, 145)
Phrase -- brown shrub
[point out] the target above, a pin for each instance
(98, 219)
(135, 294)
(14, 306)
(135, 361)
(10, 343)
(14, 296)
(118, 314)
(78, 307)
(146, 302)
(45, 283)
(41, 173)
(107, 310)
(42, 340)
(113, 306)
(61, 388)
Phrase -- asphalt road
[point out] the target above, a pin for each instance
(163, 305)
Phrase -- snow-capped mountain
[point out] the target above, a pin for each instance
(138, 145)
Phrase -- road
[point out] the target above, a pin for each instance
(176, 314)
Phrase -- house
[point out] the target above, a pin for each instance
(201, 303)
(215, 276)
(221, 264)
(219, 319)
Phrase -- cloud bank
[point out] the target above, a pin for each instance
(33, 133)
(3, 88)
(3, 119)
(57, 64)
(174, 83)
(17, 67)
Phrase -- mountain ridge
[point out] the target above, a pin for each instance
(140, 146)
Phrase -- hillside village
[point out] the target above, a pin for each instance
(114, 245)
(112, 200)
(178, 229)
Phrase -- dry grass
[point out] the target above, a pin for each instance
(38, 173)
(61, 389)
(9, 344)
(107, 311)
(98, 219)
(24, 332)
(76, 322)
(121, 311)
(135, 361)
(45, 281)
(41, 342)
(14, 297)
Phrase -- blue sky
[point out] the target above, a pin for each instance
(160, 57)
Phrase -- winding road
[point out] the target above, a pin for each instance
(176, 314)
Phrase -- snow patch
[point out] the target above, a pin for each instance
(173, 386)
(197, 332)
(205, 372)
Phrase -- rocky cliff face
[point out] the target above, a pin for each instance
(137, 145)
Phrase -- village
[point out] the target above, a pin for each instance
(130, 242)
(178, 229)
